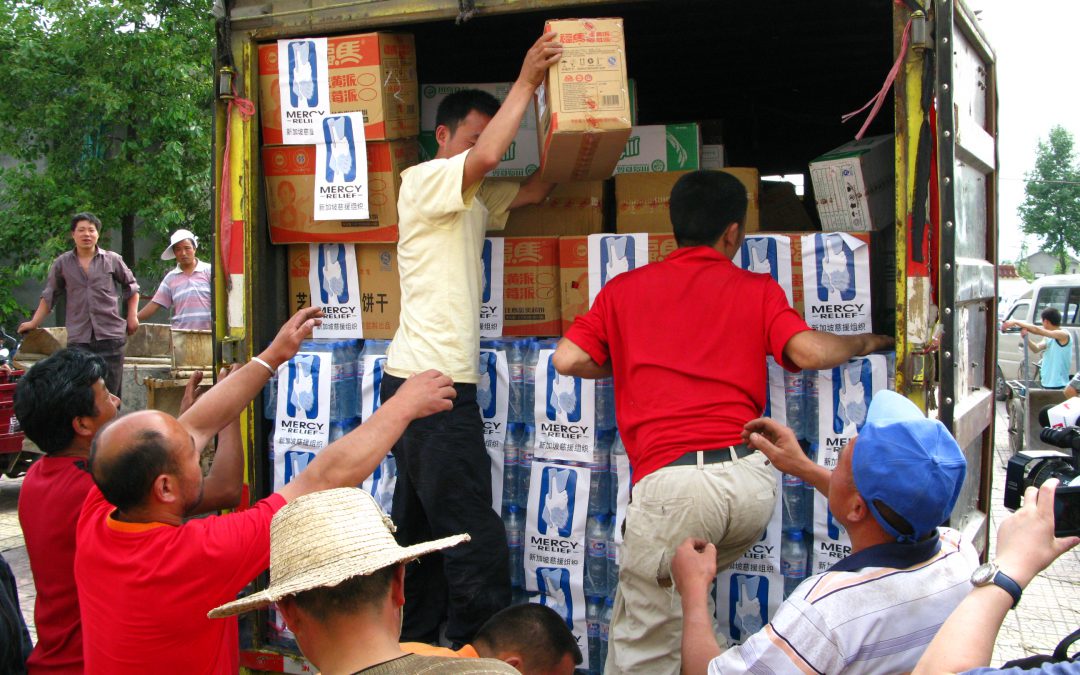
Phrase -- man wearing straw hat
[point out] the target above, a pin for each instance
(186, 289)
(146, 578)
(338, 578)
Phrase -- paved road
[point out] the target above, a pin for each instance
(1049, 611)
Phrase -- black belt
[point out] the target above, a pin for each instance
(713, 456)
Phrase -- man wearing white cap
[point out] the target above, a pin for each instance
(876, 610)
(338, 578)
(186, 289)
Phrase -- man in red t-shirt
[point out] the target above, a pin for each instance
(146, 578)
(61, 403)
(686, 341)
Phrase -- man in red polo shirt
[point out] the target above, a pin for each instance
(686, 341)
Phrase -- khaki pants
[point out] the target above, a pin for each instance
(728, 504)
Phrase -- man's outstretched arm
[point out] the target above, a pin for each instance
(569, 359)
(818, 350)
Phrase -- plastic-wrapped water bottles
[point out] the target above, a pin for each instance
(339, 428)
(796, 509)
(605, 404)
(525, 460)
(795, 398)
(793, 558)
(270, 398)
(810, 407)
(532, 355)
(612, 559)
(599, 477)
(605, 626)
(596, 536)
(372, 348)
(344, 399)
(617, 449)
(515, 363)
(594, 607)
(515, 533)
(890, 371)
(512, 464)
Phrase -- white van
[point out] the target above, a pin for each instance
(1061, 291)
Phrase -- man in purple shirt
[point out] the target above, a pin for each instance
(88, 276)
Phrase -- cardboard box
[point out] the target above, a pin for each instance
(373, 72)
(531, 306)
(583, 107)
(574, 271)
(571, 208)
(854, 185)
(380, 289)
(661, 147)
(431, 95)
(643, 200)
(290, 194)
(522, 158)
(713, 156)
(782, 210)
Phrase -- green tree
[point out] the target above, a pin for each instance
(1051, 208)
(106, 108)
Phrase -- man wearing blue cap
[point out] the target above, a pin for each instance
(877, 609)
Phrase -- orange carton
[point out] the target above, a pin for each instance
(531, 305)
(290, 194)
(373, 73)
(583, 109)
(643, 200)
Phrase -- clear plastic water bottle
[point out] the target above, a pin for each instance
(532, 355)
(605, 404)
(515, 533)
(270, 398)
(617, 449)
(346, 394)
(339, 428)
(596, 536)
(594, 607)
(515, 363)
(512, 464)
(890, 371)
(795, 399)
(599, 478)
(810, 407)
(795, 507)
(605, 630)
(612, 559)
(525, 460)
(793, 559)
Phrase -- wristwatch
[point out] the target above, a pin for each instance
(989, 573)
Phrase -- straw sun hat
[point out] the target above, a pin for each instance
(324, 538)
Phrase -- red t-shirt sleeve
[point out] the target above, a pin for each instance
(589, 331)
(236, 546)
(781, 323)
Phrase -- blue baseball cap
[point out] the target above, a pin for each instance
(910, 463)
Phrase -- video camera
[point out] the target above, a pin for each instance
(1033, 467)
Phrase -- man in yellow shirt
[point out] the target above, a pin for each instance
(444, 475)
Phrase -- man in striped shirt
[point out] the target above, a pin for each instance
(876, 610)
(186, 289)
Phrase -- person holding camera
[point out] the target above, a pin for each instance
(1026, 545)
(1057, 362)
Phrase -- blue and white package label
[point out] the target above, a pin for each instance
(491, 287)
(374, 368)
(775, 393)
(341, 180)
(302, 425)
(565, 410)
(612, 254)
(768, 254)
(844, 395)
(555, 520)
(382, 482)
(836, 282)
(493, 398)
(751, 589)
(304, 84)
(831, 541)
(562, 592)
(336, 289)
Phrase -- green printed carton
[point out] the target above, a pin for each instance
(661, 147)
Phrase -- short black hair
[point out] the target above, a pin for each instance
(347, 597)
(704, 204)
(536, 632)
(87, 216)
(54, 392)
(125, 480)
(1053, 315)
(457, 106)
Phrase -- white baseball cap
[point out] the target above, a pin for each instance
(177, 237)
